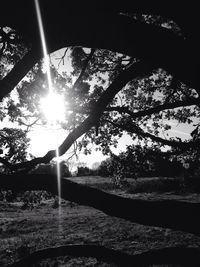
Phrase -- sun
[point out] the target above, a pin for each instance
(53, 107)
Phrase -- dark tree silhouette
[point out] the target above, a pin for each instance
(153, 36)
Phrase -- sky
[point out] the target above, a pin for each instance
(44, 139)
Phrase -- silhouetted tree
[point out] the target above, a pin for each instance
(145, 73)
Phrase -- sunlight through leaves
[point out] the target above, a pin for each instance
(53, 107)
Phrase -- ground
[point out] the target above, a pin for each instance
(24, 231)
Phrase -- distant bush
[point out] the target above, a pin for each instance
(51, 168)
(104, 168)
(85, 171)
(139, 161)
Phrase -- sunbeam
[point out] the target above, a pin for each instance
(44, 46)
(51, 93)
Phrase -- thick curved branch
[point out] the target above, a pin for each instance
(132, 128)
(177, 215)
(157, 109)
(174, 255)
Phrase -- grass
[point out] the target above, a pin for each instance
(25, 231)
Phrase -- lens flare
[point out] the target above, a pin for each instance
(44, 46)
(53, 108)
(52, 105)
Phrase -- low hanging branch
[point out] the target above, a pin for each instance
(177, 215)
(181, 256)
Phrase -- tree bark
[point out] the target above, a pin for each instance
(19, 71)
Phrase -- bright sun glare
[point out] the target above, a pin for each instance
(52, 107)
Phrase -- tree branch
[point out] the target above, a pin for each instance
(177, 215)
(62, 58)
(132, 128)
(77, 82)
(157, 109)
(174, 255)
(18, 72)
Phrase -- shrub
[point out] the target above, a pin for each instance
(32, 199)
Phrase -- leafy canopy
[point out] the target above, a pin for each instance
(145, 108)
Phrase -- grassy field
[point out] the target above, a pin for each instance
(25, 231)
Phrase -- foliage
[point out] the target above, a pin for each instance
(12, 49)
(29, 199)
(139, 161)
(14, 144)
(93, 71)
(86, 171)
(52, 168)
(32, 199)
(145, 93)
(105, 168)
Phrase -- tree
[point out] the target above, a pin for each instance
(141, 161)
(51, 168)
(105, 168)
(83, 171)
(145, 67)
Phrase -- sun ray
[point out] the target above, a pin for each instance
(49, 102)
(44, 46)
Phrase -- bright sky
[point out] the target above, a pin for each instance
(44, 139)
